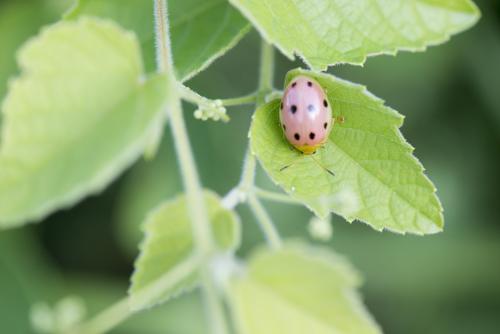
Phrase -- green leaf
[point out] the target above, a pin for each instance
(345, 31)
(377, 180)
(20, 20)
(201, 30)
(169, 242)
(299, 289)
(80, 113)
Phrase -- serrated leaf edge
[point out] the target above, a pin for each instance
(391, 52)
(439, 224)
(148, 237)
(103, 177)
(397, 130)
(73, 11)
(321, 255)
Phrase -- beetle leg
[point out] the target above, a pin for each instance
(292, 162)
(323, 166)
(284, 167)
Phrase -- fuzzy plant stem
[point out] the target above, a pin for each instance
(247, 184)
(202, 234)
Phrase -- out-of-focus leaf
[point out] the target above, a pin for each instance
(201, 30)
(327, 32)
(79, 114)
(18, 21)
(169, 242)
(299, 290)
(377, 180)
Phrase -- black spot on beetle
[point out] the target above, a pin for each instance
(296, 136)
(294, 84)
(281, 105)
(284, 127)
(293, 108)
(325, 125)
(325, 103)
(312, 135)
(309, 83)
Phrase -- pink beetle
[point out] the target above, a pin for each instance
(306, 115)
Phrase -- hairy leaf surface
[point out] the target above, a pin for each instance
(78, 115)
(377, 179)
(169, 241)
(327, 32)
(201, 30)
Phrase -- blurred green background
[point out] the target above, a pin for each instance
(446, 283)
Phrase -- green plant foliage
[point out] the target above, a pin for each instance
(79, 114)
(201, 30)
(299, 289)
(169, 241)
(377, 180)
(347, 31)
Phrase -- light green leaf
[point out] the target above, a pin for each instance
(347, 31)
(20, 20)
(377, 180)
(169, 242)
(80, 113)
(201, 30)
(296, 290)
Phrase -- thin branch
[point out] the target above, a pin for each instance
(164, 61)
(234, 197)
(248, 175)
(107, 319)
(239, 101)
(193, 97)
(266, 74)
(197, 212)
(121, 310)
(274, 196)
(265, 222)
(202, 232)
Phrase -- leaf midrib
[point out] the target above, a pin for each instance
(271, 117)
